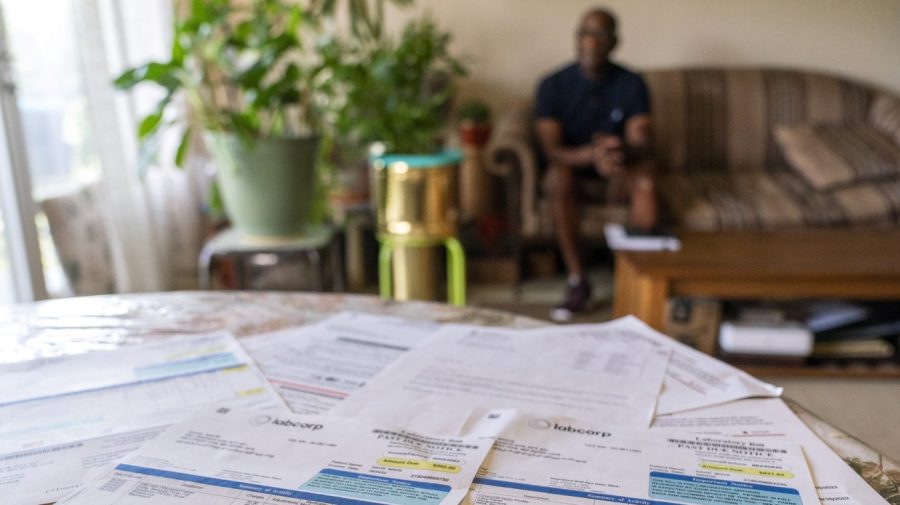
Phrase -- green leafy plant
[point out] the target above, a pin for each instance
(366, 18)
(474, 111)
(243, 67)
(397, 92)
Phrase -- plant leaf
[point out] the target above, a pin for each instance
(183, 147)
(149, 124)
(164, 74)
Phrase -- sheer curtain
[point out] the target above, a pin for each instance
(154, 220)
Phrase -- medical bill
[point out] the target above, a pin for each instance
(315, 367)
(771, 419)
(462, 368)
(109, 403)
(546, 459)
(693, 379)
(242, 457)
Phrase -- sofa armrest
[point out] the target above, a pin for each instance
(511, 154)
(884, 115)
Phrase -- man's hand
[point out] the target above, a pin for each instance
(609, 158)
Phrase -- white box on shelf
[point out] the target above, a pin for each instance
(787, 339)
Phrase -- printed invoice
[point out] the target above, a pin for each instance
(109, 403)
(240, 457)
(434, 388)
(693, 379)
(771, 419)
(547, 459)
(315, 367)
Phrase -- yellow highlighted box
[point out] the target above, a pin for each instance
(765, 472)
(419, 465)
(250, 392)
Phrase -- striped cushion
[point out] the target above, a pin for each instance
(722, 119)
(885, 116)
(759, 200)
(831, 156)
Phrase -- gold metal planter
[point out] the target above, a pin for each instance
(414, 198)
(417, 210)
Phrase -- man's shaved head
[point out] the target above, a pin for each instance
(595, 40)
(608, 17)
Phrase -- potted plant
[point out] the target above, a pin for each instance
(252, 86)
(397, 93)
(474, 118)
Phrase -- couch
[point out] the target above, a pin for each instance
(719, 137)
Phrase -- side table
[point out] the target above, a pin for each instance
(318, 248)
(843, 264)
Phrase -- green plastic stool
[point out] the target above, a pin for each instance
(456, 264)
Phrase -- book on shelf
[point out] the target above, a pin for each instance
(864, 330)
(875, 348)
(739, 359)
(827, 315)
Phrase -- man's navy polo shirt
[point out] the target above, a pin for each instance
(585, 107)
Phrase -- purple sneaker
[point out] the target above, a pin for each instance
(578, 299)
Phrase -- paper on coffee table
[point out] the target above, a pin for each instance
(770, 419)
(464, 367)
(315, 367)
(693, 379)
(545, 459)
(241, 457)
(109, 403)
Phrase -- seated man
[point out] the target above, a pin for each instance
(593, 120)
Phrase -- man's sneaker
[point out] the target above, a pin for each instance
(578, 299)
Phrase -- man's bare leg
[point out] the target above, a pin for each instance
(560, 185)
(641, 187)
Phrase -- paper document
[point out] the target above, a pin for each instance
(619, 240)
(693, 379)
(54, 377)
(240, 457)
(434, 387)
(315, 367)
(50, 443)
(540, 460)
(770, 419)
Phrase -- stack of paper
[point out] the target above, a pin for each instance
(399, 412)
(63, 420)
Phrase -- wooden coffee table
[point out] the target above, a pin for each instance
(858, 264)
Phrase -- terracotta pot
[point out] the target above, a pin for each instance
(474, 134)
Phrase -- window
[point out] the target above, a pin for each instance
(52, 104)
(7, 293)
(72, 129)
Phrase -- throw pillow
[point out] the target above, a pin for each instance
(885, 116)
(832, 156)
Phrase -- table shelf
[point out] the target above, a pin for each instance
(850, 369)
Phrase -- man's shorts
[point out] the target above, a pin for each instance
(591, 186)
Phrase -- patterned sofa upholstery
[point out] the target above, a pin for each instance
(721, 164)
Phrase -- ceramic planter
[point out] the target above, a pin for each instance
(268, 185)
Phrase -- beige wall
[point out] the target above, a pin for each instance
(512, 42)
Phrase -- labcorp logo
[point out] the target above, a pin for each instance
(302, 426)
(260, 420)
(543, 424)
(540, 424)
(264, 419)
(581, 431)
